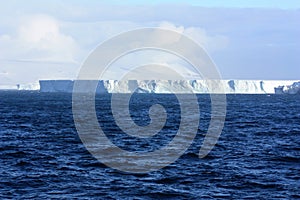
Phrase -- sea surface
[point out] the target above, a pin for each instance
(256, 157)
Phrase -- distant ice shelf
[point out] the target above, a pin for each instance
(32, 86)
(175, 86)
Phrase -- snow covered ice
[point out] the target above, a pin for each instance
(175, 86)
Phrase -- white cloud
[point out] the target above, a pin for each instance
(42, 44)
(127, 62)
(38, 38)
(209, 42)
(244, 43)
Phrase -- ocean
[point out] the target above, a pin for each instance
(42, 157)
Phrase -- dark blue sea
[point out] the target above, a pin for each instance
(256, 157)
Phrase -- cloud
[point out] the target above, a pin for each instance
(209, 42)
(37, 49)
(38, 38)
(244, 43)
(43, 39)
(126, 63)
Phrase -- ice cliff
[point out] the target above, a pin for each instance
(288, 89)
(175, 86)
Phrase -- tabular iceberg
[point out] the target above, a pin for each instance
(174, 86)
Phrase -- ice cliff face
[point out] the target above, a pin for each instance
(168, 86)
(288, 89)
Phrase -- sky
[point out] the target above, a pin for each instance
(256, 39)
(217, 3)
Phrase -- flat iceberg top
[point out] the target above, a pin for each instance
(174, 86)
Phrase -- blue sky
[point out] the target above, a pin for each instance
(246, 39)
(290, 4)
